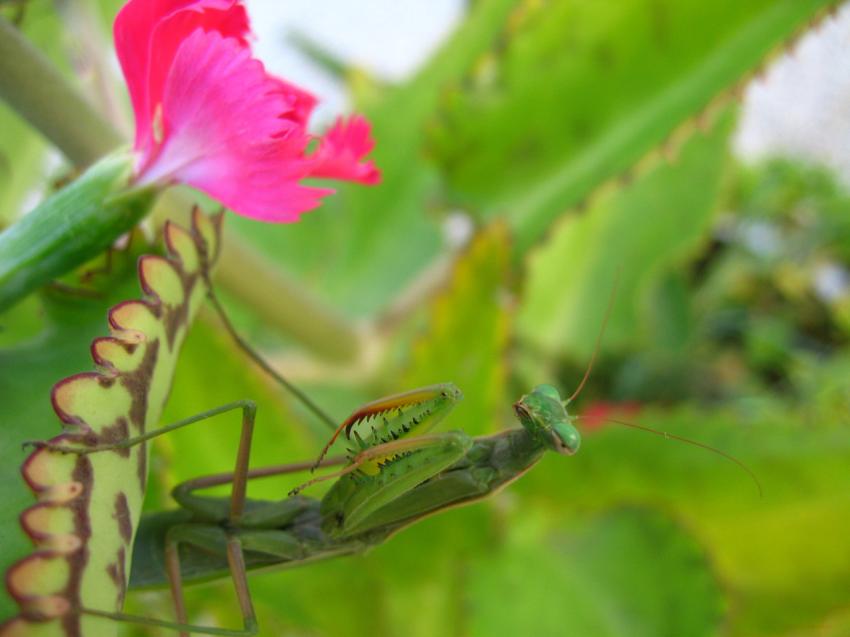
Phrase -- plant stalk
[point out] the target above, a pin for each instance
(36, 90)
(291, 307)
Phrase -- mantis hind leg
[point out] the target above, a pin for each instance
(275, 514)
(236, 564)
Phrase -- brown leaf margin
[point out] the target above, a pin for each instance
(88, 506)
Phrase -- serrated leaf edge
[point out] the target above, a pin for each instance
(63, 483)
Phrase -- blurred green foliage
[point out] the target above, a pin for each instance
(730, 326)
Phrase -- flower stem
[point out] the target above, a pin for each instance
(36, 90)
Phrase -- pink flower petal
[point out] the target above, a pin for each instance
(302, 102)
(209, 115)
(341, 150)
(147, 36)
(227, 130)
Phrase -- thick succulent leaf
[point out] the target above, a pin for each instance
(631, 237)
(619, 80)
(28, 370)
(88, 505)
(627, 573)
(467, 333)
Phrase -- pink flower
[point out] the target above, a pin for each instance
(210, 116)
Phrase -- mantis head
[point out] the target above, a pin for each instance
(543, 415)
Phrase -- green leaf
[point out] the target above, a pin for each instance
(619, 80)
(762, 548)
(467, 333)
(630, 238)
(628, 573)
(70, 227)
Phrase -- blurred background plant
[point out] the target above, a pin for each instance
(543, 147)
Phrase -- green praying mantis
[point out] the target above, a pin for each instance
(396, 473)
(392, 478)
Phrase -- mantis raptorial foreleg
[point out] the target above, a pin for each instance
(375, 455)
(401, 424)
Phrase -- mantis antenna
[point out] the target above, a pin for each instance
(656, 432)
(694, 443)
(598, 337)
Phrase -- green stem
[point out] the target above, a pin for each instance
(36, 90)
(68, 228)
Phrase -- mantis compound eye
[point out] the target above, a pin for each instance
(549, 391)
(521, 412)
(566, 439)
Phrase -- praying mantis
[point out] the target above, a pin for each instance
(392, 479)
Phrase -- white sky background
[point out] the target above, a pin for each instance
(389, 38)
(801, 108)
